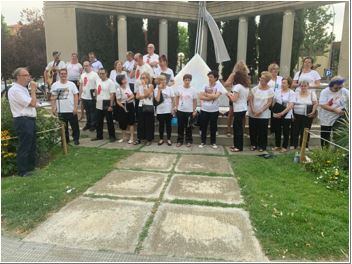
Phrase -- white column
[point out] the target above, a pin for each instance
(242, 38)
(204, 47)
(163, 37)
(65, 41)
(344, 55)
(122, 36)
(286, 42)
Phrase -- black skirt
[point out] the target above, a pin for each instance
(125, 118)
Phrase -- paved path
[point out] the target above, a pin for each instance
(152, 207)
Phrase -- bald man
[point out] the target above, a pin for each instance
(151, 58)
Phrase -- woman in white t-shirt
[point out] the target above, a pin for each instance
(105, 96)
(165, 108)
(145, 127)
(260, 99)
(304, 110)
(308, 74)
(209, 112)
(124, 107)
(186, 104)
(275, 82)
(239, 97)
(118, 70)
(74, 69)
(282, 119)
(163, 69)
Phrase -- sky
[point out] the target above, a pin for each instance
(11, 10)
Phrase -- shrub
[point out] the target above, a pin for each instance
(45, 141)
(342, 133)
(330, 168)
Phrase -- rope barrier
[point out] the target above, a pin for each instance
(332, 143)
(40, 132)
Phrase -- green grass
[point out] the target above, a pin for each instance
(27, 201)
(294, 218)
(205, 203)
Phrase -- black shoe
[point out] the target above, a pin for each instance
(85, 128)
(91, 129)
(137, 142)
(76, 142)
(95, 139)
(112, 140)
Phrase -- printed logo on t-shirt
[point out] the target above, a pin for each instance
(85, 81)
(99, 89)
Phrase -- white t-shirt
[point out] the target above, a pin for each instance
(145, 101)
(96, 65)
(139, 71)
(275, 85)
(89, 82)
(74, 71)
(241, 104)
(333, 99)
(153, 58)
(186, 97)
(168, 73)
(128, 66)
(123, 93)
(284, 98)
(67, 91)
(166, 106)
(19, 100)
(301, 102)
(60, 66)
(114, 73)
(311, 77)
(104, 89)
(261, 98)
(213, 105)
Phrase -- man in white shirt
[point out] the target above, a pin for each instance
(23, 106)
(128, 67)
(64, 103)
(151, 58)
(52, 69)
(87, 86)
(94, 62)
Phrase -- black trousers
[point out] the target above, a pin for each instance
(258, 132)
(326, 131)
(182, 121)
(300, 123)
(281, 127)
(205, 119)
(89, 107)
(145, 127)
(164, 121)
(26, 149)
(100, 124)
(238, 129)
(73, 120)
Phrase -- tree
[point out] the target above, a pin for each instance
(316, 38)
(229, 34)
(183, 43)
(269, 34)
(135, 35)
(173, 44)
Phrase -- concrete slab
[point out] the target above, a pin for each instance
(204, 188)
(204, 164)
(130, 184)
(148, 161)
(86, 142)
(98, 224)
(124, 145)
(205, 232)
(194, 149)
(245, 152)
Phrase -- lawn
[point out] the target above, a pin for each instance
(294, 218)
(25, 202)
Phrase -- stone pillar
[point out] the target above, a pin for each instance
(122, 36)
(204, 47)
(286, 42)
(242, 38)
(344, 55)
(56, 39)
(163, 37)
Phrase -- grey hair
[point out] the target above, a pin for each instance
(17, 72)
(304, 82)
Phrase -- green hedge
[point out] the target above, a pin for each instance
(45, 141)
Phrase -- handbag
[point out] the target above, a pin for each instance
(155, 102)
(278, 108)
(147, 108)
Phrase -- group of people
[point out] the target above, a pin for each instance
(142, 88)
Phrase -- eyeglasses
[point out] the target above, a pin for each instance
(25, 75)
(102, 73)
(149, 47)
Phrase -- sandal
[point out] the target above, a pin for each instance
(169, 143)
(130, 141)
(160, 142)
(228, 134)
(178, 145)
(283, 150)
(233, 149)
(137, 142)
(188, 145)
(275, 149)
(253, 148)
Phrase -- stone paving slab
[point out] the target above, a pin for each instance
(199, 231)
(117, 145)
(194, 149)
(86, 142)
(130, 184)
(98, 224)
(148, 161)
(245, 152)
(204, 188)
(204, 164)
